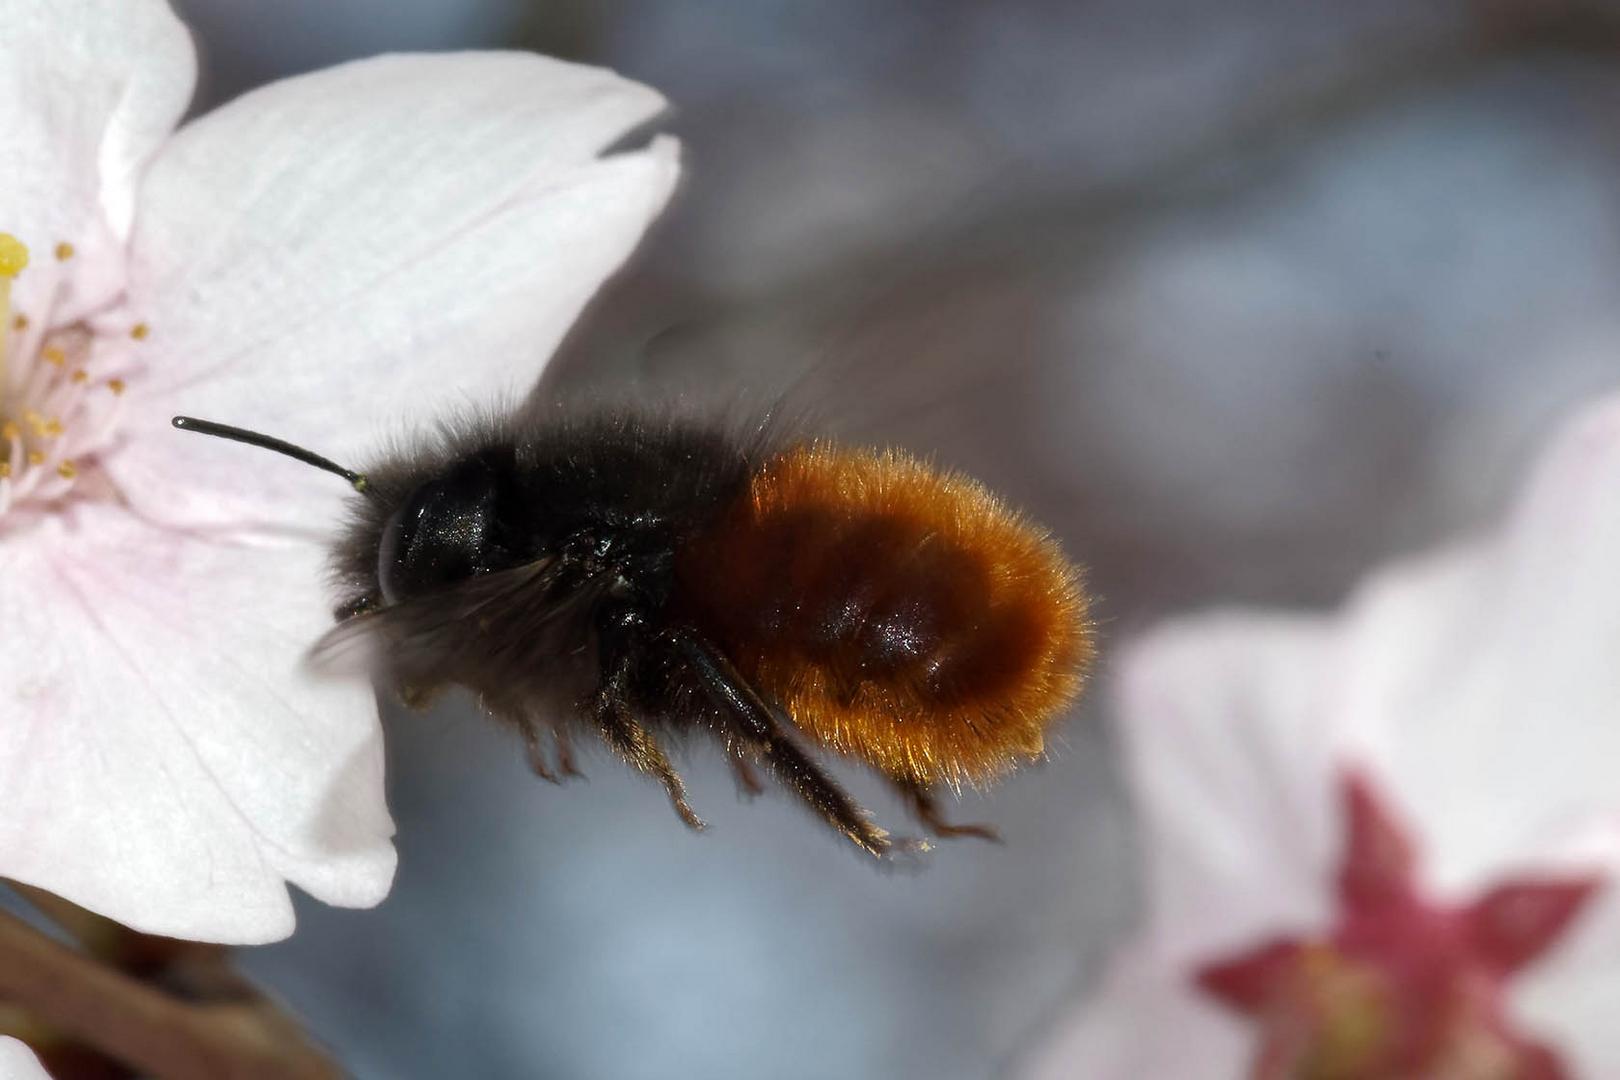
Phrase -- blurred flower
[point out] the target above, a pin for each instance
(1399, 985)
(325, 258)
(1381, 844)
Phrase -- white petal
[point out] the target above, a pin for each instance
(17, 1062)
(91, 88)
(1142, 1024)
(344, 254)
(1231, 768)
(1485, 680)
(165, 757)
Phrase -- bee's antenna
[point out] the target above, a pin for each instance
(269, 442)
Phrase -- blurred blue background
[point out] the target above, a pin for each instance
(1238, 296)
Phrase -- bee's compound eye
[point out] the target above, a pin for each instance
(441, 534)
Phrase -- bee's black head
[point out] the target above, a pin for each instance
(445, 531)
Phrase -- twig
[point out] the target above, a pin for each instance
(155, 1032)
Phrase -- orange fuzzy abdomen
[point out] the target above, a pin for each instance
(899, 615)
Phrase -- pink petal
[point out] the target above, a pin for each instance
(347, 254)
(91, 89)
(17, 1062)
(1483, 683)
(1378, 860)
(1221, 721)
(1539, 1062)
(1514, 923)
(1248, 982)
(1143, 1024)
(166, 759)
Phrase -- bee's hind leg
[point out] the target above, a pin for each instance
(926, 808)
(750, 719)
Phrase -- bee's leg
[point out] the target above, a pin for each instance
(751, 719)
(748, 781)
(926, 808)
(621, 643)
(640, 748)
(535, 751)
(536, 755)
(565, 752)
(539, 764)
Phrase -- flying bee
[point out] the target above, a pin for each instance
(645, 577)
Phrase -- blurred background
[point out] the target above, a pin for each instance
(1238, 296)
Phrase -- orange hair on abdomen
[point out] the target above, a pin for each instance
(899, 614)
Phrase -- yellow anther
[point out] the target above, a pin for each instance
(5, 469)
(9, 430)
(64, 251)
(139, 331)
(54, 355)
(80, 375)
(67, 470)
(20, 323)
(35, 457)
(13, 255)
(116, 385)
(53, 427)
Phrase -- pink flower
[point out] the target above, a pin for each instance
(331, 258)
(1384, 844)
(1399, 984)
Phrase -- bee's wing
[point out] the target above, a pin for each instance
(521, 610)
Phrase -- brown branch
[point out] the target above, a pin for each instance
(155, 1032)
(191, 970)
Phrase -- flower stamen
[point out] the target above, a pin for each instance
(13, 258)
(53, 418)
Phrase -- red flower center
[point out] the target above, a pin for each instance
(1400, 986)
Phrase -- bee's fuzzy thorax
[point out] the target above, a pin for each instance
(563, 466)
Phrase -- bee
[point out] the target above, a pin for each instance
(646, 577)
